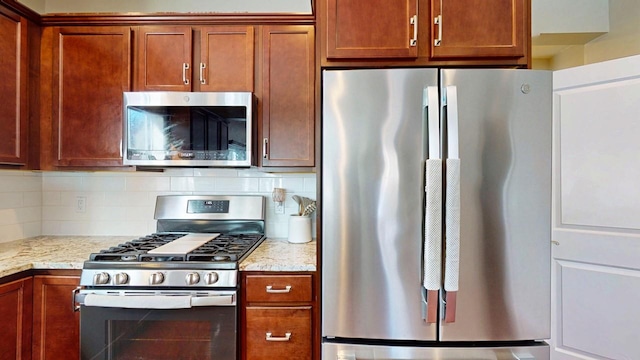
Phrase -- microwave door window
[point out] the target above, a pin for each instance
(148, 134)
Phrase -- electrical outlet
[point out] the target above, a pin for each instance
(279, 207)
(81, 204)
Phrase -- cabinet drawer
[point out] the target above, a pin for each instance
(279, 288)
(278, 333)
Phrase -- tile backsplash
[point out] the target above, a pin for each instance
(122, 203)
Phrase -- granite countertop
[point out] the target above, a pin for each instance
(69, 252)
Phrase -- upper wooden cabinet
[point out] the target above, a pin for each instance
(479, 28)
(372, 28)
(13, 89)
(182, 58)
(288, 96)
(424, 32)
(90, 73)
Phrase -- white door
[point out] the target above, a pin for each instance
(596, 212)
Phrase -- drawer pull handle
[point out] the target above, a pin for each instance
(271, 290)
(286, 337)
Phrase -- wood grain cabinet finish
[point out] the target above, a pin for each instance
(15, 312)
(13, 89)
(278, 333)
(182, 58)
(371, 28)
(288, 96)
(278, 313)
(479, 28)
(56, 327)
(372, 33)
(91, 71)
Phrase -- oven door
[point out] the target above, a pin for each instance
(125, 324)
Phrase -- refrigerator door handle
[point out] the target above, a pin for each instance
(452, 208)
(432, 257)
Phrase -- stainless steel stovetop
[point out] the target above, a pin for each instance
(199, 244)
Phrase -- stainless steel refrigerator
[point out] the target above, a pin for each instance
(436, 212)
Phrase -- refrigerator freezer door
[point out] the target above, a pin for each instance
(536, 351)
(374, 151)
(504, 124)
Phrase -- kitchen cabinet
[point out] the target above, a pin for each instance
(56, 326)
(13, 88)
(15, 312)
(480, 28)
(91, 70)
(182, 58)
(288, 96)
(278, 315)
(424, 32)
(371, 29)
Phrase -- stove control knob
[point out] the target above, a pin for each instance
(156, 278)
(211, 278)
(121, 278)
(192, 278)
(101, 278)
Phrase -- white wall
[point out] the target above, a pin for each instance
(20, 204)
(622, 40)
(122, 203)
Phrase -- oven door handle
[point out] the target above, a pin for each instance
(157, 301)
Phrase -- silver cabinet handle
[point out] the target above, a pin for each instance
(438, 21)
(286, 337)
(185, 67)
(202, 79)
(265, 143)
(414, 22)
(74, 303)
(271, 290)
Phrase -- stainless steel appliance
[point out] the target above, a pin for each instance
(188, 128)
(172, 294)
(436, 211)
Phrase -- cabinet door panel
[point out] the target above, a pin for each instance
(56, 327)
(479, 28)
(15, 312)
(371, 29)
(163, 52)
(264, 324)
(13, 89)
(91, 71)
(228, 54)
(288, 96)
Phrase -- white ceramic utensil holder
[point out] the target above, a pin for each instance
(299, 229)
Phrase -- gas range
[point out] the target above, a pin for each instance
(199, 243)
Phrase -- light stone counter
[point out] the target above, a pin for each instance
(280, 255)
(69, 252)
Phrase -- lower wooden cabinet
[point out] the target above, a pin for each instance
(56, 327)
(278, 316)
(278, 333)
(15, 312)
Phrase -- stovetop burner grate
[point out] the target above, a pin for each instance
(224, 248)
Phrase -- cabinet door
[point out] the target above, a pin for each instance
(15, 312)
(91, 71)
(371, 29)
(226, 60)
(56, 327)
(278, 333)
(163, 58)
(288, 101)
(479, 28)
(13, 89)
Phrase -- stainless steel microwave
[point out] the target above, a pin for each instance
(188, 129)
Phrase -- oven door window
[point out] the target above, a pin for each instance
(203, 333)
